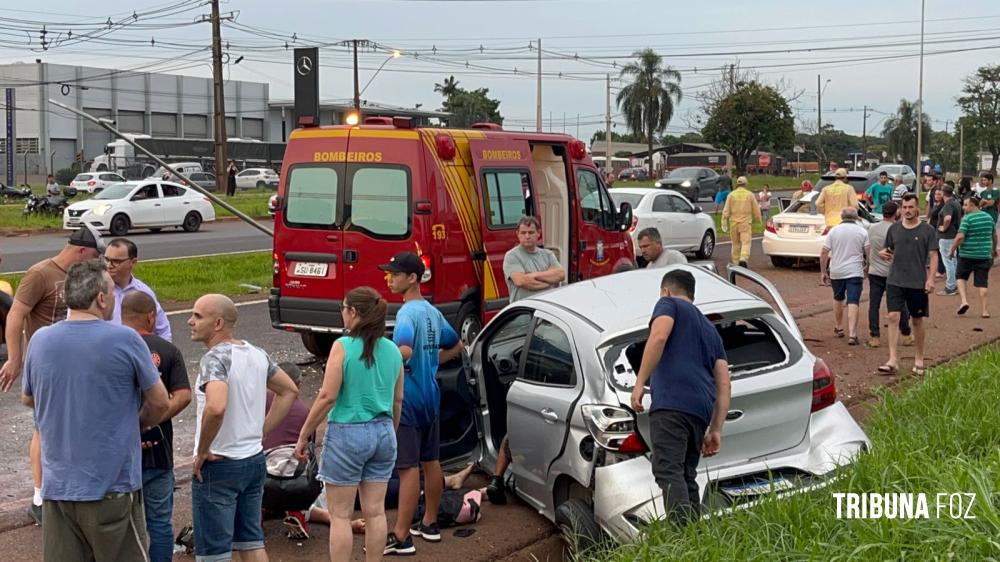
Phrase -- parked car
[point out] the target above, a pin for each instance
(272, 204)
(141, 204)
(204, 180)
(258, 178)
(556, 372)
(909, 176)
(693, 182)
(8, 193)
(634, 174)
(94, 182)
(682, 226)
(860, 180)
(186, 168)
(800, 230)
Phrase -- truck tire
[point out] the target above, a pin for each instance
(469, 322)
(318, 343)
(578, 528)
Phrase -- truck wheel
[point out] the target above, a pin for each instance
(119, 225)
(579, 530)
(707, 247)
(469, 322)
(318, 343)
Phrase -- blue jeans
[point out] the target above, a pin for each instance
(950, 264)
(158, 501)
(226, 508)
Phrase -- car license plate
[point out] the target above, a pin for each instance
(798, 228)
(778, 484)
(310, 269)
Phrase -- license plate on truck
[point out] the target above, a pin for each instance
(310, 269)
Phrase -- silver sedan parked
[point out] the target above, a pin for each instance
(556, 371)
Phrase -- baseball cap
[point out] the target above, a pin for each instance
(840, 173)
(742, 180)
(404, 262)
(87, 237)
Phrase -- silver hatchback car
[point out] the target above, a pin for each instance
(555, 372)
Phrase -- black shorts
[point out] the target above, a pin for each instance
(915, 300)
(415, 445)
(979, 269)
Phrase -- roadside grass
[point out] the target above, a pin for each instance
(754, 182)
(251, 202)
(939, 435)
(186, 279)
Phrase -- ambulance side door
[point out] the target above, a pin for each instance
(599, 239)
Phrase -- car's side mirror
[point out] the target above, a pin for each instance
(697, 210)
(625, 216)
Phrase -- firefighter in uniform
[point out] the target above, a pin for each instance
(835, 197)
(738, 215)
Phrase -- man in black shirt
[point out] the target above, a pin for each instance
(139, 313)
(911, 245)
(949, 218)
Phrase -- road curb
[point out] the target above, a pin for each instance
(22, 232)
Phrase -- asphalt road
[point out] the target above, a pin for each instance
(21, 252)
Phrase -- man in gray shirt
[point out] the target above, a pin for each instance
(651, 247)
(528, 268)
(878, 271)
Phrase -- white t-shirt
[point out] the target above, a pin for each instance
(667, 257)
(847, 243)
(899, 191)
(245, 369)
(978, 189)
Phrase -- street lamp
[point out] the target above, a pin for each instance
(394, 55)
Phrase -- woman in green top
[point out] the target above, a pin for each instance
(361, 397)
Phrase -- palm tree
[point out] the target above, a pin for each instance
(900, 131)
(449, 87)
(648, 100)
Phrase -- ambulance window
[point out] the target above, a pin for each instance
(507, 193)
(594, 201)
(380, 201)
(312, 196)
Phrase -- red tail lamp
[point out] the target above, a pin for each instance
(577, 150)
(445, 145)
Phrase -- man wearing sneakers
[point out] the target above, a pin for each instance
(949, 217)
(425, 339)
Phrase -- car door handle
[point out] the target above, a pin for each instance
(333, 238)
(549, 415)
(156, 204)
(733, 415)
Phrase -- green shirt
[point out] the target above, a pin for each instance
(978, 229)
(992, 194)
(879, 194)
(367, 392)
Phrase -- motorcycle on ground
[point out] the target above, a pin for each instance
(49, 204)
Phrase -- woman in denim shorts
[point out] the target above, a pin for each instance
(361, 397)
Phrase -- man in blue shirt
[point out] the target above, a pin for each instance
(92, 384)
(121, 255)
(690, 391)
(425, 339)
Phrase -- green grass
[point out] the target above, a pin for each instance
(939, 435)
(251, 202)
(754, 182)
(187, 279)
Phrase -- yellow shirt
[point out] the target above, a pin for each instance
(741, 207)
(833, 199)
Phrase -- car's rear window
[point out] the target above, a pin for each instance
(83, 177)
(631, 198)
(380, 201)
(752, 345)
(370, 199)
(312, 197)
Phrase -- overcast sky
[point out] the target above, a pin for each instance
(493, 37)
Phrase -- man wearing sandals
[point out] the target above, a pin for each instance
(976, 246)
(843, 265)
(911, 245)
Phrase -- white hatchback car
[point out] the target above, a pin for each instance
(258, 178)
(141, 204)
(94, 182)
(800, 230)
(682, 226)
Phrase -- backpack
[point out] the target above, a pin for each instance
(290, 485)
(458, 507)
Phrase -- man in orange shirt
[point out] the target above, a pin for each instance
(835, 197)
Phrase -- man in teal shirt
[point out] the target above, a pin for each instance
(878, 193)
(990, 196)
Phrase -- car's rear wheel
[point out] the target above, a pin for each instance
(192, 222)
(119, 225)
(261, 185)
(577, 526)
(469, 322)
(318, 343)
(707, 247)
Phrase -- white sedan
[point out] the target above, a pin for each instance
(94, 182)
(258, 178)
(141, 204)
(682, 226)
(800, 230)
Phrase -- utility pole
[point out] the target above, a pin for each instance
(961, 148)
(732, 78)
(577, 125)
(357, 93)
(220, 97)
(607, 131)
(819, 118)
(920, 102)
(864, 139)
(538, 95)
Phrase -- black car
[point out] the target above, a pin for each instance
(693, 182)
(860, 180)
(634, 174)
(8, 193)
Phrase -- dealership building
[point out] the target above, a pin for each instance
(49, 138)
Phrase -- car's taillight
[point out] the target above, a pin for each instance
(826, 231)
(275, 267)
(770, 226)
(427, 268)
(613, 428)
(824, 391)
(635, 223)
(91, 183)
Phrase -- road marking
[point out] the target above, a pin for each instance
(189, 310)
(175, 258)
